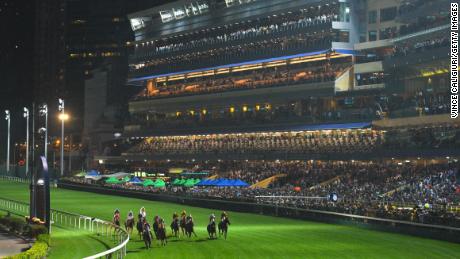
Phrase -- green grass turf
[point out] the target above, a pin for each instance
(68, 239)
(250, 235)
(71, 243)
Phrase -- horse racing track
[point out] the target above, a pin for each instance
(250, 235)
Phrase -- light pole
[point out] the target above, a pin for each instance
(26, 115)
(44, 112)
(15, 150)
(62, 116)
(70, 153)
(8, 119)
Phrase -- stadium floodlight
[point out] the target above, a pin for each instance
(40, 182)
(62, 116)
(8, 119)
(27, 116)
(43, 111)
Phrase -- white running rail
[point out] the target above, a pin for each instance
(81, 222)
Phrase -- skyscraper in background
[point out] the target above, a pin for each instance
(74, 37)
(49, 50)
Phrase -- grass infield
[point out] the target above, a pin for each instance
(250, 235)
(67, 239)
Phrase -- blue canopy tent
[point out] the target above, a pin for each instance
(135, 180)
(240, 183)
(93, 173)
(231, 182)
(204, 182)
(211, 182)
(224, 183)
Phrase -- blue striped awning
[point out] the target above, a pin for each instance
(337, 126)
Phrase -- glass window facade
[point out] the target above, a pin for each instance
(372, 35)
(372, 17)
(342, 35)
(344, 12)
(388, 14)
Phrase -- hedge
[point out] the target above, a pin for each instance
(41, 245)
(33, 231)
(37, 251)
(14, 224)
(44, 238)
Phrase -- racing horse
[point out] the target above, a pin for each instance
(147, 234)
(129, 223)
(162, 233)
(223, 226)
(212, 230)
(183, 223)
(140, 226)
(175, 226)
(156, 226)
(189, 230)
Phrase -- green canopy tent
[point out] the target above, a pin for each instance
(112, 180)
(181, 182)
(148, 182)
(176, 181)
(190, 183)
(81, 174)
(126, 179)
(159, 183)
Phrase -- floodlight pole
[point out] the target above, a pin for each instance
(26, 115)
(61, 109)
(46, 131)
(44, 112)
(8, 119)
(33, 136)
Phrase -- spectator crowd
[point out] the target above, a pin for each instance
(311, 72)
(406, 190)
(305, 142)
(418, 46)
(267, 48)
(271, 26)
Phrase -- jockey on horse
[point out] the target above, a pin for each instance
(189, 226)
(156, 225)
(129, 223)
(222, 216)
(143, 213)
(140, 225)
(162, 232)
(212, 226)
(147, 234)
(116, 217)
(175, 224)
(183, 221)
(223, 224)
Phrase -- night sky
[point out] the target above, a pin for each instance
(16, 52)
(17, 24)
(16, 73)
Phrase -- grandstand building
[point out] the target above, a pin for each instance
(307, 77)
